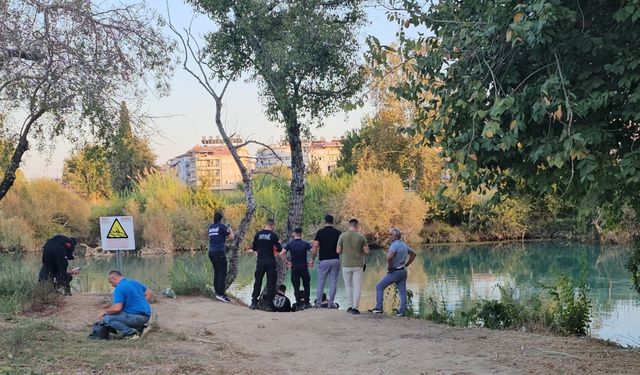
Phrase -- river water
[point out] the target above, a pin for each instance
(453, 273)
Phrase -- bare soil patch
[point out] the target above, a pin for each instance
(199, 335)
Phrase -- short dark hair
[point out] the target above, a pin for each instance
(298, 230)
(282, 288)
(115, 272)
(328, 219)
(271, 222)
(353, 221)
(217, 217)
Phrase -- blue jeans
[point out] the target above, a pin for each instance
(328, 269)
(399, 278)
(125, 322)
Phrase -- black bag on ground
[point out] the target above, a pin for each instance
(100, 331)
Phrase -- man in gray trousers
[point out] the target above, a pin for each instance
(326, 241)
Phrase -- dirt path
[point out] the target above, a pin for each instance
(232, 338)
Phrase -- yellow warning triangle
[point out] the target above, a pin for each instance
(117, 231)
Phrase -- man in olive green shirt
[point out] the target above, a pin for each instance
(352, 246)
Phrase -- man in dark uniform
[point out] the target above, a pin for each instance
(298, 249)
(267, 245)
(56, 254)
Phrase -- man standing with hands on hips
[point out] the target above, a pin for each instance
(399, 257)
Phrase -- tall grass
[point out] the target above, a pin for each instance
(563, 308)
(192, 276)
(20, 290)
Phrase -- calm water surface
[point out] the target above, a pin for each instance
(457, 274)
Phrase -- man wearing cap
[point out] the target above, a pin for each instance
(326, 241)
(267, 245)
(352, 246)
(399, 257)
(56, 254)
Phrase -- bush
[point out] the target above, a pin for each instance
(191, 277)
(571, 309)
(437, 312)
(46, 208)
(379, 201)
(20, 290)
(15, 234)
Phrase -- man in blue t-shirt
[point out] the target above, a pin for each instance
(218, 234)
(130, 310)
(297, 250)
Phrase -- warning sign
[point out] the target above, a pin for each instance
(116, 233)
(116, 230)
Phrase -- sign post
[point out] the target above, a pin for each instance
(116, 234)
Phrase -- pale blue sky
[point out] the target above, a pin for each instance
(191, 112)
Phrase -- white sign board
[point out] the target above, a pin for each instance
(116, 233)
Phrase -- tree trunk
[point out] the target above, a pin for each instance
(248, 196)
(22, 146)
(296, 205)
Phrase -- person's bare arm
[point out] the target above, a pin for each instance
(231, 236)
(338, 249)
(365, 248)
(412, 256)
(113, 309)
(147, 294)
(314, 249)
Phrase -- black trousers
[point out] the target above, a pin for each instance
(268, 268)
(219, 263)
(297, 274)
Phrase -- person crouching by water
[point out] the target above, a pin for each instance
(399, 257)
(267, 244)
(297, 250)
(281, 302)
(130, 310)
(218, 234)
(56, 254)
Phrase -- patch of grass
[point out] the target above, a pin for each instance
(192, 276)
(564, 309)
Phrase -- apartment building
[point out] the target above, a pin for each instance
(210, 164)
(320, 154)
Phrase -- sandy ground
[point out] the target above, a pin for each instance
(230, 338)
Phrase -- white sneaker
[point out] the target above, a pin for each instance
(222, 298)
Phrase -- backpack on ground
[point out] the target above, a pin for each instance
(100, 331)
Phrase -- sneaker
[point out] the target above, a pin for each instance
(334, 306)
(355, 311)
(308, 305)
(376, 310)
(133, 336)
(400, 314)
(254, 305)
(222, 298)
(350, 309)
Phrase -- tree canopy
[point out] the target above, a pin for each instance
(63, 62)
(129, 156)
(302, 54)
(540, 95)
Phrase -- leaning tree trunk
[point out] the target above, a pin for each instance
(239, 235)
(22, 147)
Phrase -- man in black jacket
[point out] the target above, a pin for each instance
(267, 244)
(56, 254)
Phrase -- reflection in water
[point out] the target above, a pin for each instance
(456, 274)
